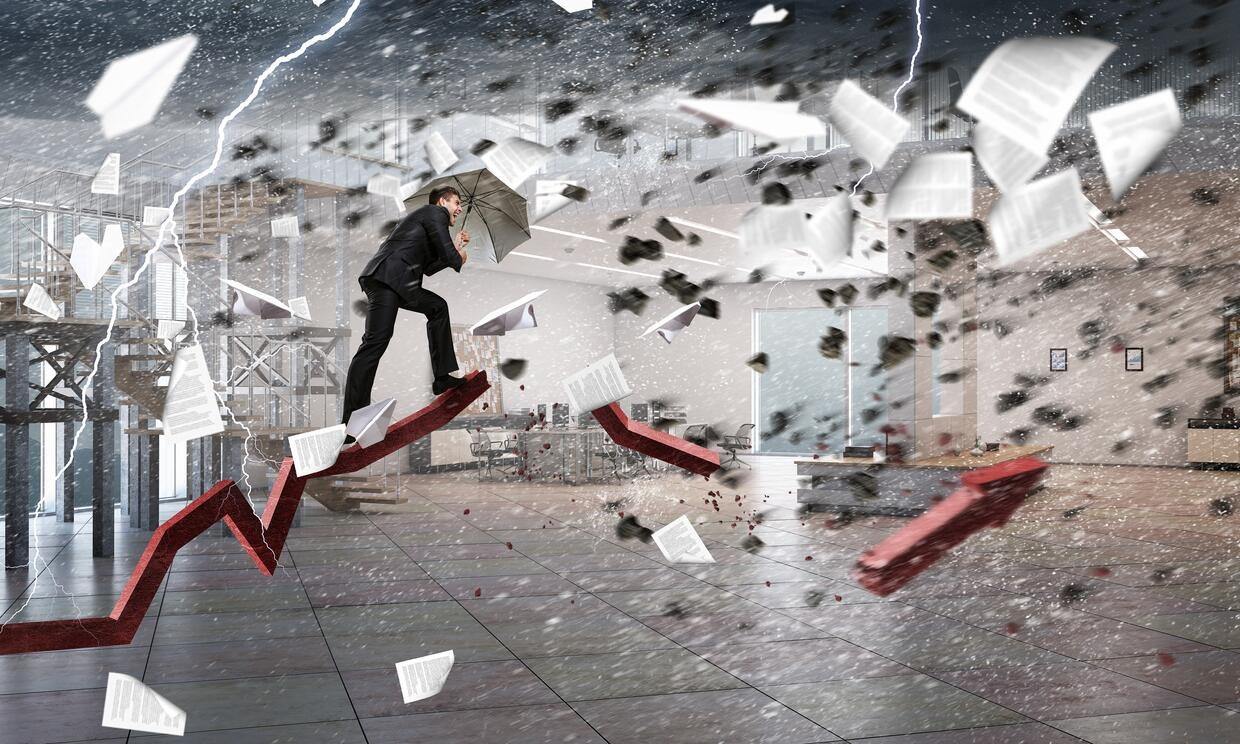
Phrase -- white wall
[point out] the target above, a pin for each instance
(1175, 322)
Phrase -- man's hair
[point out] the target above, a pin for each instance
(442, 191)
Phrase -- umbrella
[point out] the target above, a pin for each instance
(494, 215)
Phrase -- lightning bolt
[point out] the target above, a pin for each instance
(912, 72)
(165, 228)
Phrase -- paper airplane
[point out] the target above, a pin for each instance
(300, 307)
(129, 704)
(552, 196)
(1026, 87)
(1131, 136)
(369, 425)
(316, 450)
(767, 15)
(90, 260)
(872, 129)
(675, 322)
(285, 227)
(598, 385)
(132, 88)
(1037, 216)
(251, 302)
(424, 677)
(318, 3)
(108, 179)
(775, 121)
(155, 216)
(935, 186)
(680, 543)
(574, 6)
(515, 316)
(514, 160)
(439, 153)
(38, 300)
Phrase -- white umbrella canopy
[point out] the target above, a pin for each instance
(494, 214)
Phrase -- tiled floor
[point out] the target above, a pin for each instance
(564, 632)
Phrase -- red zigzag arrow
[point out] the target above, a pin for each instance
(264, 538)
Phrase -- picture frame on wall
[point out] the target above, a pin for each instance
(1134, 359)
(1059, 360)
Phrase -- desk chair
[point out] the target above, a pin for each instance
(739, 441)
(491, 454)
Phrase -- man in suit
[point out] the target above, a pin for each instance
(419, 246)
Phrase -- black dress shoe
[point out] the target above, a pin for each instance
(446, 383)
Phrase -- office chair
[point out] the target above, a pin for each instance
(738, 441)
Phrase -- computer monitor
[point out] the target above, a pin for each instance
(542, 413)
(559, 414)
(639, 412)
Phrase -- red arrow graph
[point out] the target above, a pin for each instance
(263, 538)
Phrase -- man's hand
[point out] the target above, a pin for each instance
(462, 240)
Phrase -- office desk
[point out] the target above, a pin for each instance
(863, 485)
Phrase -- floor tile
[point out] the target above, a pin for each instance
(878, 706)
(1182, 726)
(700, 718)
(597, 676)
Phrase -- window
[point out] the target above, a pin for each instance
(806, 399)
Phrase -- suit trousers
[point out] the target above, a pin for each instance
(383, 304)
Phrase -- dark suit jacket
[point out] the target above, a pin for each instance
(419, 246)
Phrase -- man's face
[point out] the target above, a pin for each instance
(452, 203)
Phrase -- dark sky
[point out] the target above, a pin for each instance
(52, 52)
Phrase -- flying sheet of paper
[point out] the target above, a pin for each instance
(514, 160)
(1131, 136)
(424, 677)
(300, 307)
(407, 190)
(191, 409)
(831, 232)
(38, 300)
(935, 186)
(597, 385)
(285, 227)
(549, 198)
(439, 153)
(251, 302)
(131, 90)
(108, 179)
(674, 322)
(767, 15)
(1009, 165)
(369, 425)
(90, 260)
(1026, 87)
(770, 228)
(317, 3)
(515, 316)
(680, 543)
(872, 129)
(155, 216)
(316, 450)
(776, 121)
(1038, 216)
(384, 184)
(129, 704)
(169, 330)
